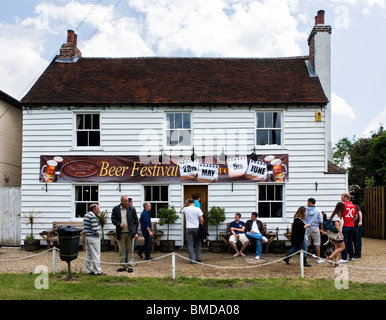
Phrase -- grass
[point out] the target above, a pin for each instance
(84, 287)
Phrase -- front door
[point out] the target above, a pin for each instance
(189, 190)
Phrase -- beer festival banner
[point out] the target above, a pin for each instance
(134, 169)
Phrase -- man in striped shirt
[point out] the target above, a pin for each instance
(93, 244)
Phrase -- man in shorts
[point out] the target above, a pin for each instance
(237, 228)
(315, 219)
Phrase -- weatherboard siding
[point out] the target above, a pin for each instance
(137, 131)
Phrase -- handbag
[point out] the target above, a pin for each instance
(330, 225)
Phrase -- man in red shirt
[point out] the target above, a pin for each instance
(349, 216)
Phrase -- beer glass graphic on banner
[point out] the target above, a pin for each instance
(48, 171)
(278, 173)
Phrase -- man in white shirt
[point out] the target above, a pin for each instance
(254, 230)
(194, 217)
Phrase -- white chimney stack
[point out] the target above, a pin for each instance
(319, 43)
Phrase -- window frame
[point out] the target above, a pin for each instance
(157, 201)
(269, 146)
(75, 130)
(74, 201)
(282, 201)
(166, 129)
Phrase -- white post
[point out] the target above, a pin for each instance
(54, 260)
(301, 263)
(173, 266)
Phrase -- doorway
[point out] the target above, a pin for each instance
(189, 190)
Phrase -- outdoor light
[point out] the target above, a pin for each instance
(193, 156)
(254, 155)
(223, 156)
(160, 157)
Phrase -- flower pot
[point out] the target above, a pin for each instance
(277, 247)
(32, 245)
(167, 245)
(216, 246)
(105, 245)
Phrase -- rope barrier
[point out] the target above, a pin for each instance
(186, 258)
(31, 256)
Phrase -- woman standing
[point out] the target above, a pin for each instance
(297, 237)
(337, 237)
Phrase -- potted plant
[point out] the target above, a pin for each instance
(167, 216)
(30, 243)
(216, 215)
(277, 246)
(103, 218)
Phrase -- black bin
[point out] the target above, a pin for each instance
(68, 242)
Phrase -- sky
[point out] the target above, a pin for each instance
(32, 32)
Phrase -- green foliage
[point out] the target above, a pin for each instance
(364, 158)
(167, 216)
(216, 215)
(342, 151)
(103, 219)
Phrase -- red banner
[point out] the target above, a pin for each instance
(134, 169)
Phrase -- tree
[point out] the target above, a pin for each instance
(342, 151)
(365, 159)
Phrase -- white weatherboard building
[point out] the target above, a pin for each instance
(247, 134)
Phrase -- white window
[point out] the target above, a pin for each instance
(268, 128)
(270, 203)
(88, 130)
(158, 196)
(178, 129)
(85, 195)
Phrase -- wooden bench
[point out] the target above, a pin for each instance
(270, 235)
(52, 235)
(157, 235)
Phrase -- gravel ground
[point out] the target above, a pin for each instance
(16, 260)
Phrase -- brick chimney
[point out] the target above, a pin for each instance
(69, 50)
(319, 43)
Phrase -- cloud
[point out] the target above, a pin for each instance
(220, 28)
(341, 111)
(374, 125)
(20, 56)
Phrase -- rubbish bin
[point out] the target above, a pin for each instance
(68, 242)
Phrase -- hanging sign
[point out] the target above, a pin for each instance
(134, 169)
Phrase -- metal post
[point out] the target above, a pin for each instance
(301, 263)
(173, 266)
(54, 260)
(68, 271)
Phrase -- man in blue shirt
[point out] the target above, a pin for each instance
(237, 228)
(145, 222)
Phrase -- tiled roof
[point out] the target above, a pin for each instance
(177, 81)
(334, 168)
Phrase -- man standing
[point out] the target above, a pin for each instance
(315, 219)
(349, 216)
(358, 230)
(255, 231)
(145, 221)
(93, 244)
(193, 219)
(237, 228)
(125, 219)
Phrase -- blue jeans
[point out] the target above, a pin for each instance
(348, 233)
(296, 248)
(258, 237)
